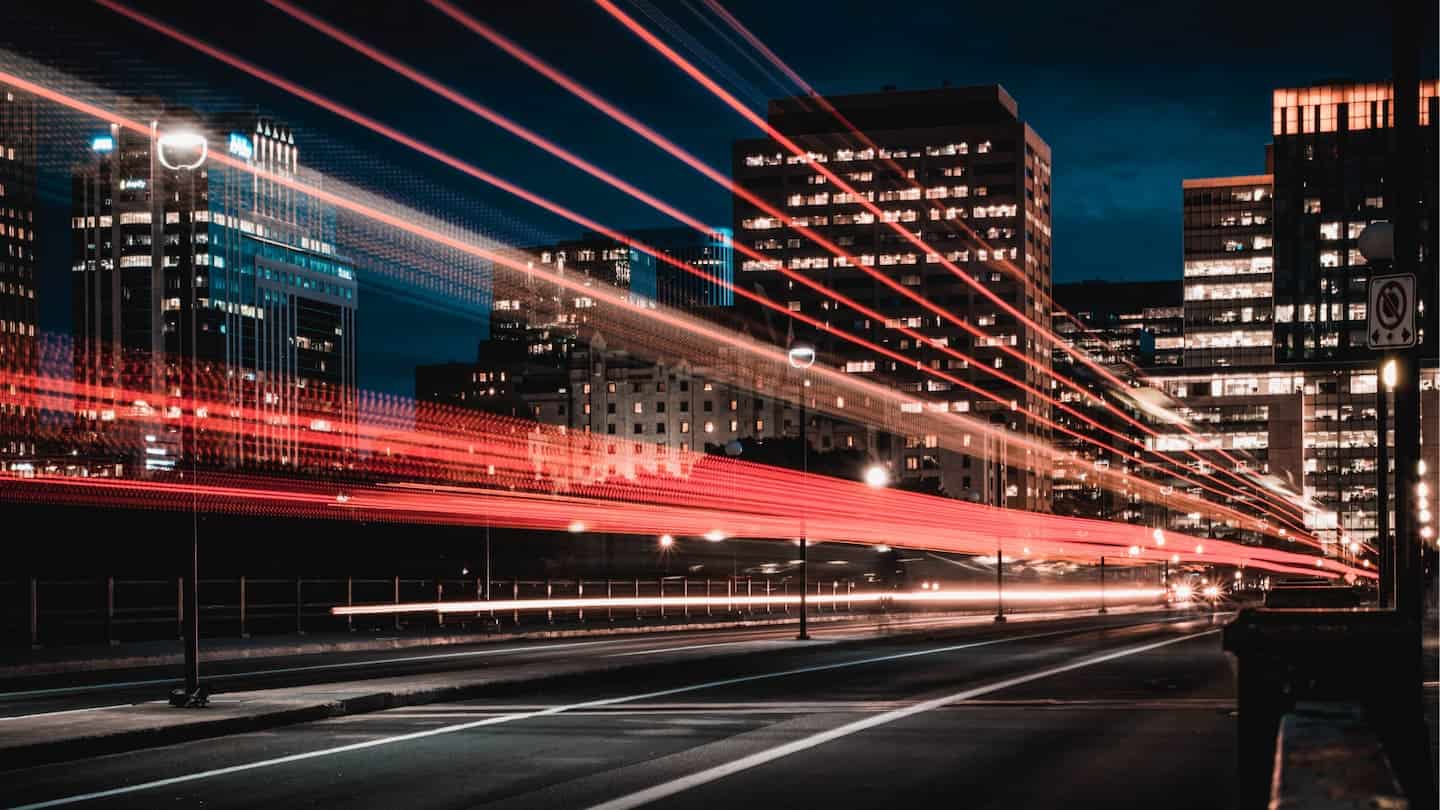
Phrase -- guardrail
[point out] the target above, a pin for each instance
(64, 611)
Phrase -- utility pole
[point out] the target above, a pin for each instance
(1402, 178)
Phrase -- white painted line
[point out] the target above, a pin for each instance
(674, 786)
(655, 650)
(491, 721)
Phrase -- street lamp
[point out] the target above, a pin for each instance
(876, 476)
(801, 357)
(185, 151)
(181, 150)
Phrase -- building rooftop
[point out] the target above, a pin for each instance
(895, 109)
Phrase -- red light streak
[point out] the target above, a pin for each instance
(745, 112)
(553, 149)
(774, 59)
(364, 210)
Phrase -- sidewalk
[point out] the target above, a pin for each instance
(134, 655)
(64, 736)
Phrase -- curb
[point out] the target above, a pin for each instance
(57, 751)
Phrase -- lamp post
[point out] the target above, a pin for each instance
(184, 151)
(802, 357)
(1001, 477)
(1103, 609)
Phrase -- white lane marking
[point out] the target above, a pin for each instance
(655, 650)
(490, 721)
(684, 783)
(66, 711)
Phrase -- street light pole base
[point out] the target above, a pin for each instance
(803, 637)
(181, 698)
(1000, 618)
(1103, 611)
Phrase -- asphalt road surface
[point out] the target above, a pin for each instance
(81, 690)
(1104, 712)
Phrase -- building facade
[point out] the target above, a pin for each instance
(1331, 155)
(959, 168)
(1229, 265)
(266, 327)
(19, 418)
(1127, 327)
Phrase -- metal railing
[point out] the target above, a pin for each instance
(110, 609)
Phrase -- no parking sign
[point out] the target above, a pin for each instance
(1391, 312)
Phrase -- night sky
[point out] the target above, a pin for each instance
(1131, 100)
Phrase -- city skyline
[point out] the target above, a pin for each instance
(1122, 145)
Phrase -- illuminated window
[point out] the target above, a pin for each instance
(1312, 205)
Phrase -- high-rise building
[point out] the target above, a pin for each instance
(1124, 326)
(620, 263)
(974, 183)
(1331, 156)
(246, 265)
(1229, 271)
(19, 420)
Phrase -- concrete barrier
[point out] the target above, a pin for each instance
(1328, 758)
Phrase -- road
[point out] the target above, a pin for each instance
(81, 690)
(1124, 711)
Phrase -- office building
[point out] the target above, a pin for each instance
(1331, 156)
(272, 307)
(1130, 328)
(958, 167)
(1229, 265)
(19, 418)
(1119, 324)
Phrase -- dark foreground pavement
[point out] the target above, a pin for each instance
(1127, 712)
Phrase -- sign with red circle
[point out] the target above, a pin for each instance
(1391, 312)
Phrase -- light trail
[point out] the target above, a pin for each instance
(551, 148)
(769, 354)
(756, 43)
(1040, 329)
(850, 516)
(655, 138)
(954, 596)
(759, 45)
(497, 451)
